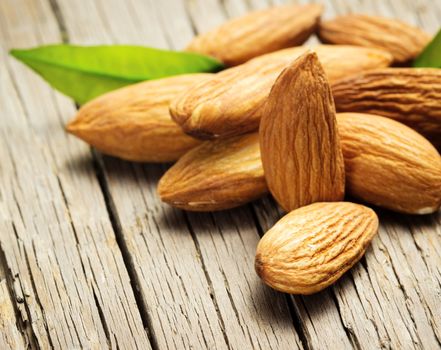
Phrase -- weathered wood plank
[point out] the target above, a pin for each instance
(193, 261)
(167, 266)
(227, 243)
(166, 260)
(68, 278)
(10, 335)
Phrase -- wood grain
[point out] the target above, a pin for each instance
(11, 336)
(66, 273)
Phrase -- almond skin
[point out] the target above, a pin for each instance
(386, 164)
(299, 141)
(134, 123)
(389, 165)
(312, 247)
(403, 41)
(409, 95)
(216, 175)
(257, 33)
(230, 103)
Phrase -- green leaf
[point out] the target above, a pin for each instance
(431, 55)
(84, 72)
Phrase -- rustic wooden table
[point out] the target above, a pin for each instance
(90, 258)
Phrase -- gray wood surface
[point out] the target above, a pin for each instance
(66, 275)
(90, 258)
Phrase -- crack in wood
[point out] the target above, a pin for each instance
(59, 19)
(29, 338)
(103, 321)
(207, 277)
(349, 331)
(37, 299)
(128, 262)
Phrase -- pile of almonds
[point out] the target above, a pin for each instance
(269, 123)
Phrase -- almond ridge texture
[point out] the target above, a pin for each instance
(134, 122)
(259, 32)
(403, 41)
(299, 141)
(216, 175)
(386, 164)
(409, 95)
(230, 103)
(389, 165)
(312, 247)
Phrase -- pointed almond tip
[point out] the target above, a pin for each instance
(169, 196)
(81, 120)
(170, 188)
(71, 126)
(160, 188)
(309, 56)
(311, 62)
(308, 61)
(74, 124)
(163, 188)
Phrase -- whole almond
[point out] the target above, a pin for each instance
(389, 164)
(312, 247)
(299, 142)
(134, 123)
(230, 103)
(409, 95)
(216, 175)
(258, 33)
(403, 41)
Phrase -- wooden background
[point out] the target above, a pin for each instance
(91, 259)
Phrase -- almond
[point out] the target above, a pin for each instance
(386, 164)
(258, 33)
(403, 41)
(230, 103)
(312, 247)
(216, 175)
(134, 123)
(409, 95)
(389, 164)
(299, 142)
